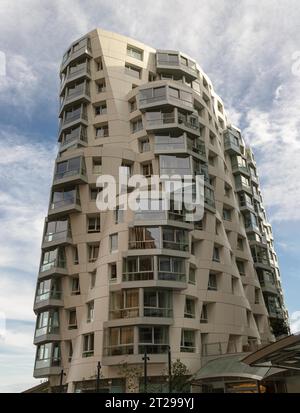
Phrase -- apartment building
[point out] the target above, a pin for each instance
(115, 284)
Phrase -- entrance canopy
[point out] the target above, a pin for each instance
(284, 354)
(232, 366)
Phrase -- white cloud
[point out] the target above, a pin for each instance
(295, 322)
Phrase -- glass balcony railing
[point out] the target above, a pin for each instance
(118, 350)
(46, 363)
(153, 348)
(56, 263)
(138, 276)
(69, 200)
(70, 139)
(171, 276)
(73, 94)
(158, 312)
(48, 295)
(124, 313)
(49, 329)
(58, 236)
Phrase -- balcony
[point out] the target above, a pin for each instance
(118, 350)
(153, 348)
(179, 144)
(174, 63)
(164, 95)
(239, 168)
(77, 50)
(53, 263)
(53, 239)
(70, 171)
(48, 299)
(242, 184)
(76, 72)
(74, 138)
(64, 202)
(72, 117)
(46, 334)
(168, 121)
(78, 94)
(231, 142)
(167, 272)
(47, 367)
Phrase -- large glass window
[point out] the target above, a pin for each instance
(157, 303)
(138, 268)
(48, 355)
(153, 339)
(56, 230)
(144, 237)
(53, 258)
(171, 269)
(174, 238)
(47, 323)
(119, 341)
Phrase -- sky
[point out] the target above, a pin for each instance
(250, 49)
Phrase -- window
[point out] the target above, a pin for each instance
(112, 271)
(94, 224)
(257, 296)
(70, 352)
(133, 71)
(132, 105)
(136, 125)
(227, 214)
(171, 269)
(241, 267)
(93, 252)
(102, 131)
(212, 282)
(113, 242)
(153, 339)
(138, 268)
(216, 254)
(175, 238)
(227, 190)
(90, 312)
(75, 255)
(147, 169)
(204, 314)
(92, 279)
(75, 286)
(101, 109)
(120, 341)
(187, 344)
(97, 163)
(69, 167)
(119, 215)
(134, 52)
(94, 193)
(144, 237)
(192, 276)
(127, 168)
(157, 303)
(101, 86)
(72, 319)
(144, 145)
(88, 345)
(99, 64)
(189, 308)
(240, 244)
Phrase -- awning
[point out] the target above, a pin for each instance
(284, 354)
(232, 366)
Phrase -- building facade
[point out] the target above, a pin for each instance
(115, 284)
